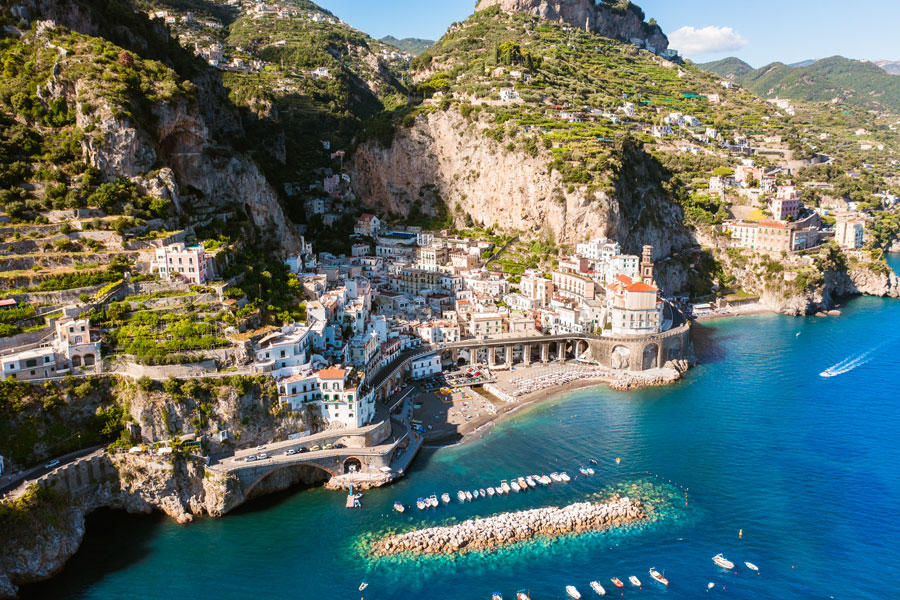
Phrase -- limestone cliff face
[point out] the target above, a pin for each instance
(623, 24)
(445, 159)
(183, 146)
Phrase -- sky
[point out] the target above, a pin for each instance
(757, 31)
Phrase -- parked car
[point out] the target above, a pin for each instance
(250, 459)
(262, 456)
(340, 446)
(315, 448)
(303, 449)
(52, 464)
(329, 447)
(290, 452)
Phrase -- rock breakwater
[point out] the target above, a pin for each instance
(492, 532)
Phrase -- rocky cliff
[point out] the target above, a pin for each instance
(619, 20)
(445, 159)
(174, 143)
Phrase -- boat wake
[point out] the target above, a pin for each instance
(854, 362)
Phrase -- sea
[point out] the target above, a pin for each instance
(754, 455)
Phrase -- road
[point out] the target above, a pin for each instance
(37, 472)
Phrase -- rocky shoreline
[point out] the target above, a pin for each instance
(487, 534)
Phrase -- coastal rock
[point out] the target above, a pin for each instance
(492, 532)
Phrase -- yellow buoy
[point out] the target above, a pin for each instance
(741, 534)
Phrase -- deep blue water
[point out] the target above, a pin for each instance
(807, 467)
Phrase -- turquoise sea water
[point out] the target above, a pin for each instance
(808, 467)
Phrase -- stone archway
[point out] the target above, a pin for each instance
(76, 361)
(280, 478)
(352, 465)
(651, 357)
(620, 358)
(89, 360)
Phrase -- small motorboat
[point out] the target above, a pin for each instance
(445, 498)
(433, 501)
(461, 495)
(469, 496)
(482, 493)
(546, 480)
(555, 477)
(590, 471)
(582, 470)
(617, 582)
(618, 460)
(595, 585)
(497, 596)
(522, 595)
(504, 486)
(421, 503)
(723, 562)
(491, 491)
(572, 592)
(363, 586)
(635, 581)
(594, 461)
(751, 566)
(565, 476)
(658, 576)
(522, 483)
(398, 506)
(514, 486)
(531, 483)
(710, 585)
(475, 495)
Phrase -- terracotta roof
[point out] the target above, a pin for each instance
(366, 217)
(332, 373)
(624, 279)
(640, 287)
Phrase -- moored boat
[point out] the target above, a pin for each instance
(461, 495)
(482, 493)
(595, 585)
(565, 476)
(522, 595)
(491, 491)
(514, 486)
(469, 496)
(522, 483)
(594, 461)
(751, 566)
(658, 576)
(433, 501)
(723, 562)
(572, 592)
(555, 477)
(582, 470)
(545, 480)
(617, 582)
(635, 581)
(421, 503)
(445, 497)
(504, 486)
(497, 596)
(398, 506)
(363, 586)
(531, 483)
(590, 471)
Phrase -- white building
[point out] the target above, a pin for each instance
(289, 347)
(509, 95)
(334, 391)
(634, 308)
(850, 233)
(426, 366)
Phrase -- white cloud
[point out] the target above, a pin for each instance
(691, 41)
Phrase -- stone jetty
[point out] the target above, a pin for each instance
(508, 528)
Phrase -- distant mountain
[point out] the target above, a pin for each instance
(802, 63)
(414, 46)
(891, 66)
(727, 67)
(855, 82)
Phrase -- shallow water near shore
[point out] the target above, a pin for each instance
(808, 467)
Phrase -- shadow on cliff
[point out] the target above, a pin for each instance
(113, 541)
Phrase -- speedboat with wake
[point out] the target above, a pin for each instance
(635, 581)
(658, 576)
(595, 585)
(723, 562)
(572, 592)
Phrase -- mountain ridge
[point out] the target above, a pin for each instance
(414, 46)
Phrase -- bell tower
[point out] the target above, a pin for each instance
(647, 265)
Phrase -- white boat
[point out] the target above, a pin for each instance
(658, 576)
(565, 476)
(546, 480)
(433, 501)
(751, 566)
(475, 495)
(363, 586)
(572, 592)
(482, 493)
(530, 482)
(398, 506)
(514, 486)
(522, 596)
(595, 585)
(635, 581)
(710, 585)
(461, 495)
(590, 471)
(491, 491)
(469, 496)
(504, 486)
(522, 483)
(555, 477)
(445, 497)
(421, 503)
(723, 562)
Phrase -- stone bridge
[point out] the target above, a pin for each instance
(368, 449)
